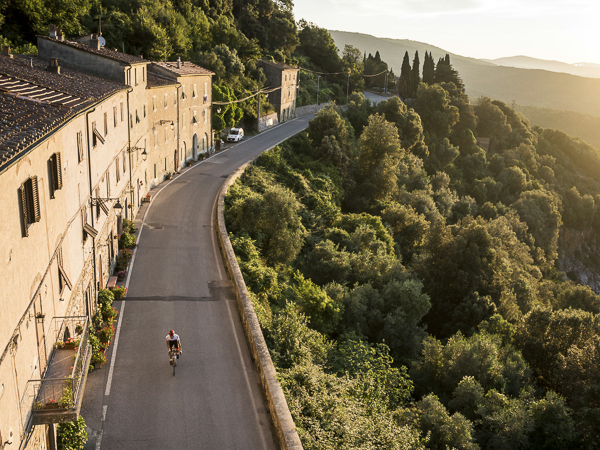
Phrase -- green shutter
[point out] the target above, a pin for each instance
(35, 199)
(57, 162)
(24, 216)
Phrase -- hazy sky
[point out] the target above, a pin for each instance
(561, 30)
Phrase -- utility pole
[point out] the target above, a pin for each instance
(318, 80)
(347, 89)
(258, 112)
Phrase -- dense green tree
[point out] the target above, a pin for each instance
(428, 69)
(405, 86)
(437, 113)
(416, 71)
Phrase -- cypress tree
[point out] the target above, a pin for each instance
(416, 78)
(428, 69)
(405, 85)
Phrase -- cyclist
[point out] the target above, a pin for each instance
(173, 342)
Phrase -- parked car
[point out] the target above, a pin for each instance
(235, 135)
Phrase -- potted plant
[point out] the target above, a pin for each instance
(51, 404)
(78, 328)
(71, 344)
(59, 344)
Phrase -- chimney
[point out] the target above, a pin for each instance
(179, 62)
(94, 42)
(53, 67)
(52, 31)
(6, 51)
(59, 34)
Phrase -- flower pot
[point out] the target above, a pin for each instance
(51, 406)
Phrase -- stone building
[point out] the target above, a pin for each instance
(85, 133)
(282, 80)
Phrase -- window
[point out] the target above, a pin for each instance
(155, 170)
(107, 183)
(205, 98)
(80, 153)
(194, 93)
(183, 96)
(98, 203)
(128, 77)
(30, 203)
(55, 170)
(166, 100)
(143, 74)
(63, 279)
(144, 110)
(124, 162)
(117, 171)
(165, 164)
(105, 124)
(175, 98)
(194, 118)
(114, 116)
(130, 120)
(122, 112)
(137, 118)
(96, 136)
(154, 103)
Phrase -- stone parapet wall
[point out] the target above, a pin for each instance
(281, 417)
(310, 109)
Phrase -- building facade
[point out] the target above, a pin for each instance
(282, 82)
(85, 133)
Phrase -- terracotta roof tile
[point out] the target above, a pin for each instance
(34, 102)
(157, 81)
(106, 52)
(186, 68)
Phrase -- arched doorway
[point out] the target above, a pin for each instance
(195, 146)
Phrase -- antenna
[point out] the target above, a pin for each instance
(102, 41)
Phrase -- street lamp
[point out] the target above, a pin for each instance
(144, 153)
(318, 80)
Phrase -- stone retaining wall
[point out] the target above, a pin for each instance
(283, 423)
(268, 121)
(309, 109)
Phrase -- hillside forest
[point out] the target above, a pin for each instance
(407, 282)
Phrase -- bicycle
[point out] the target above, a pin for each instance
(174, 356)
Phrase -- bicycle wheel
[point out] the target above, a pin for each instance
(174, 363)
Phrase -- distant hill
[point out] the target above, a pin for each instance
(535, 87)
(526, 62)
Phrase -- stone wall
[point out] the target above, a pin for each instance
(267, 122)
(309, 109)
(281, 417)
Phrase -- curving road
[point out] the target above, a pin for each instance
(178, 281)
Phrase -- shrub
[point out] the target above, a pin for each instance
(119, 292)
(129, 226)
(72, 435)
(126, 240)
(105, 296)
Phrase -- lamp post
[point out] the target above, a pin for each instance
(347, 89)
(318, 82)
(144, 153)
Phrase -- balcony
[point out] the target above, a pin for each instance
(56, 398)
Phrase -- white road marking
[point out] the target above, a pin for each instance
(241, 356)
(99, 441)
(114, 353)
(104, 408)
(212, 235)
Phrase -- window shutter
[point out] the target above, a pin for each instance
(57, 161)
(52, 173)
(80, 145)
(62, 272)
(24, 214)
(36, 199)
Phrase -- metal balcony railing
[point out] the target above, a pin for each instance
(56, 398)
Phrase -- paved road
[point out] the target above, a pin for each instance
(374, 97)
(179, 281)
